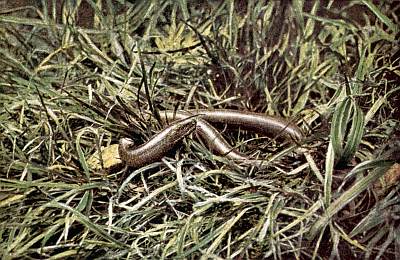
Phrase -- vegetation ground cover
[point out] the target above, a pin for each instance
(78, 76)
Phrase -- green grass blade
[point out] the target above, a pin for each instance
(383, 18)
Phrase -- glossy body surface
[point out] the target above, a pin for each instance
(158, 146)
(154, 149)
(256, 122)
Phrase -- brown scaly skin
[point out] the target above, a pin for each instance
(190, 120)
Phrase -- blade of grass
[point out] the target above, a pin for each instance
(382, 17)
(88, 223)
(345, 198)
(355, 135)
(339, 124)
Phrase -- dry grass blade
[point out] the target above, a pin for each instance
(91, 226)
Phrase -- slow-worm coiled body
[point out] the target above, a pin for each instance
(159, 145)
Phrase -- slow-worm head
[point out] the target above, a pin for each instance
(157, 146)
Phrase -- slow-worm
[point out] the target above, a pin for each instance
(189, 120)
(154, 149)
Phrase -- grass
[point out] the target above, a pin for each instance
(71, 88)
